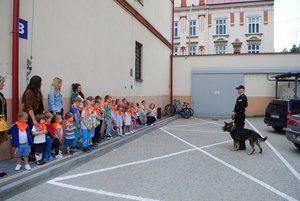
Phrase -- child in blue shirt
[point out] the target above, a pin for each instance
(69, 132)
(21, 139)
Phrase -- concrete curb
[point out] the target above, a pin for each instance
(27, 180)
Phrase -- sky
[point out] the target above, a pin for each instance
(286, 24)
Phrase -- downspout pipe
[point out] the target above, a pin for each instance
(15, 59)
(171, 55)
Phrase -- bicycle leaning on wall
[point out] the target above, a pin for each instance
(177, 108)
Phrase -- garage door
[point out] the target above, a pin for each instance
(214, 94)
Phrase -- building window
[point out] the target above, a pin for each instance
(176, 50)
(193, 49)
(193, 29)
(253, 24)
(176, 29)
(221, 49)
(138, 61)
(253, 48)
(221, 27)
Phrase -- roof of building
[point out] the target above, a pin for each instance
(211, 2)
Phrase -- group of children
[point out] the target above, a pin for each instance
(88, 119)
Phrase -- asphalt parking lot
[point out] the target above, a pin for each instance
(183, 160)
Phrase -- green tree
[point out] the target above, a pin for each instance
(295, 49)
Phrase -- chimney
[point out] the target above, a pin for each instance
(183, 3)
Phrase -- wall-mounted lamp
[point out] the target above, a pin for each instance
(28, 68)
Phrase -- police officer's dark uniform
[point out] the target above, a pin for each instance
(239, 110)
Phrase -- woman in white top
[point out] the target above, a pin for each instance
(151, 115)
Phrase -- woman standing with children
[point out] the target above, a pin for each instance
(3, 109)
(55, 98)
(33, 105)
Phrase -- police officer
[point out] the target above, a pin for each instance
(238, 114)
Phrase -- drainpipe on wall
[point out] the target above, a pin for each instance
(171, 55)
(15, 59)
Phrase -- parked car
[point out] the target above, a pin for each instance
(279, 110)
(293, 130)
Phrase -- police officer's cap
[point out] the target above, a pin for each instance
(240, 87)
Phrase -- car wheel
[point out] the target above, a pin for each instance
(297, 145)
(278, 128)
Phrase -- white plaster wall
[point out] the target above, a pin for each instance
(158, 13)
(93, 43)
(6, 7)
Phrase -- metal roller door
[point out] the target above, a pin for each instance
(214, 94)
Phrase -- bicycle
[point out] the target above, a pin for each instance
(177, 108)
(186, 105)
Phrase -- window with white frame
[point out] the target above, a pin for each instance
(176, 50)
(176, 29)
(221, 49)
(221, 27)
(193, 49)
(193, 27)
(253, 48)
(253, 24)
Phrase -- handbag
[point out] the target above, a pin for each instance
(3, 129)
(3, 124)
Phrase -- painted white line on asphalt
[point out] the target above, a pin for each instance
(121, 166)
(274, 190)
(210, 122)
(289, 166)
(186, 125)
(134, 163)
(101, 192)
(119, 195)
(190, 130)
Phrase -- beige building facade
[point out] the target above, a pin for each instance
(256, 72)
(121, 48)
(223, 26)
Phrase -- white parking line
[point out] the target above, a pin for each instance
(267, 186)
(186, 125)
(294, 172)
(57, 181)
(191, 130)
(101, 192)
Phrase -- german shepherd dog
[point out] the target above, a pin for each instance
(242, 134)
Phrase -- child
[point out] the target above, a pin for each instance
(58, 134)
(137, 113)
(94, 116)
(86, 125)
(101, 113)
(21, 139)
(127, 120)
(119, 120)
(124, 103)
(75, 109)
(49, 137)
(133, 121)
(107, 107)
(144, 112)
(69, 132)
(113, 114)
(39, 140)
